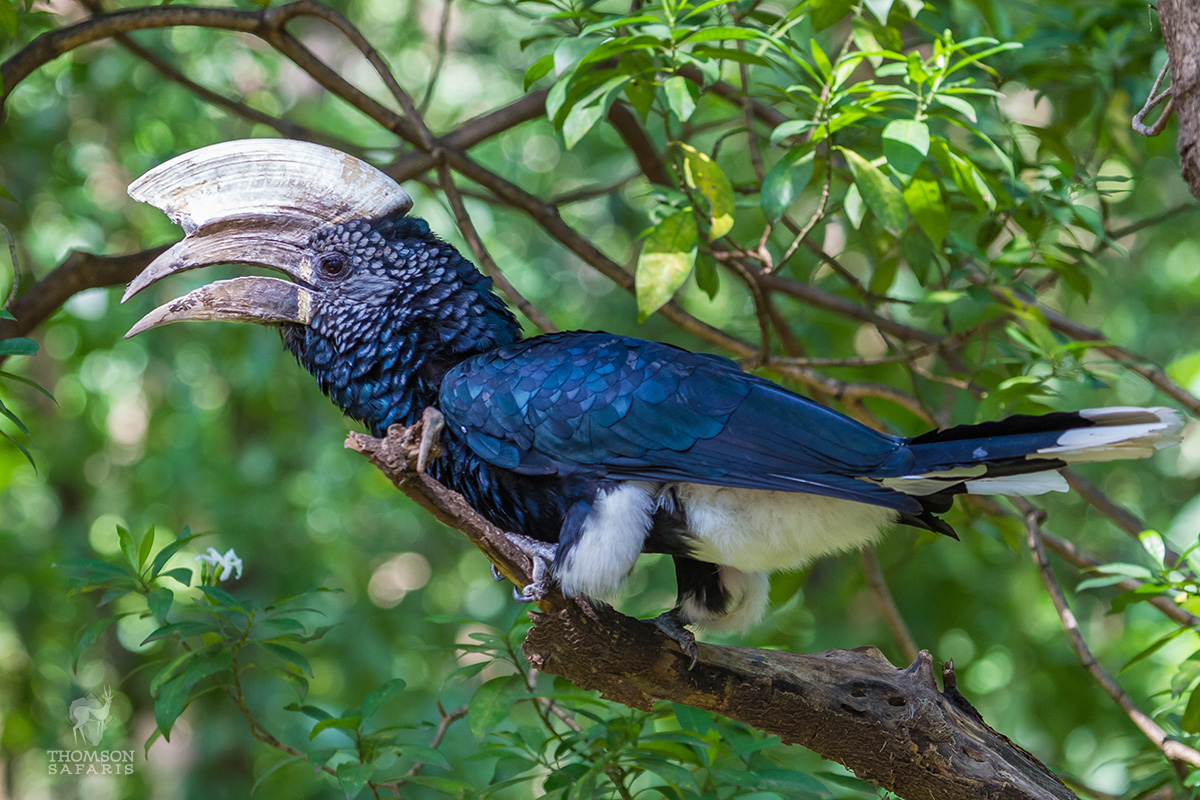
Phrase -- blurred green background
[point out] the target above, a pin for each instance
(214, 427)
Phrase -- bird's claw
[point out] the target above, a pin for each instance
(670, 624)
(541, 554)
(432, 423)
(496, 574)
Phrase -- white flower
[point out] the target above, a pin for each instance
(228, 563)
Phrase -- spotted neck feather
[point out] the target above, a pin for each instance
(380, 343)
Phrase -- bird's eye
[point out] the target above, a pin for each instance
(333, 265)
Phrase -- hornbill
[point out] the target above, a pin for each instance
(591, 447)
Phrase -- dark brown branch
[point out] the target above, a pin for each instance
(892, 727)
(80, 271)
(51, 45)
(631, 133)
(1180, 20)
(246, 112)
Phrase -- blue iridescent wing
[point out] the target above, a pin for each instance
(606, 406)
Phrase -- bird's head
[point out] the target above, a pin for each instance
(377, 306)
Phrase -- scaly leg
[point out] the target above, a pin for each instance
(542, 555)
(670, 623)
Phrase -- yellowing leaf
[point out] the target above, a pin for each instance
(703, 175)
(667, 257)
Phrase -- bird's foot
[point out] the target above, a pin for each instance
(669, 623)
(542, 555)
(432, 423)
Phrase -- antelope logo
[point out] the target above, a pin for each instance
(89, 716)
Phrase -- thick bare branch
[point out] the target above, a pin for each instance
(80, 271)
(892, 727)
(1180, 22)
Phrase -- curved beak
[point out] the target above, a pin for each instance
(256, 202)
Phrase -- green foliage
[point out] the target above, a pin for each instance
(944, 180)
(17, 346)
(550, 734)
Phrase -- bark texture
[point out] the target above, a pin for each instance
(1180, 21)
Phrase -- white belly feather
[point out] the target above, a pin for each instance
(747, 529)
(761, 531)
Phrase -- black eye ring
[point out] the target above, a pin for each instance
(333, 265)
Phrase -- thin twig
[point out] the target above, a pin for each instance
(1153, 100)
(887, 604)
(442, 41)
(1174, 750)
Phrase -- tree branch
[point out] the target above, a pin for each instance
(892, 727)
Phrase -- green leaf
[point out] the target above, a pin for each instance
(589, 109)
(8, 20)
(824, 13)
(1152, 541)
(693, 719)
(703, 175)
(665, 261)
(854, 207)
(724, 32)
(905, 145)
(924, 198)
(729, 54)
(958, 104)
(127, 547)
(20, 379)
(352, 777)
(181, 574)
(169, 704)
(1191, 715)
(681, 96)
(337, 723)
(820, 59)
(449, 786)
(271, 770)
(173, 696)
(89, 636)
(489, 706)
(174, 547)
(880, 9)
(169, 671)
(880, 194)
(145, 548)
(377, 698)
(707, 277)
(641, 96)
(159, 602)
(964, 174)
(293, 658)
(1155, 647)
(538, 70)
(221, 598)
(183, 630)
(786, 180)
(792, 127)
(578, 122)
